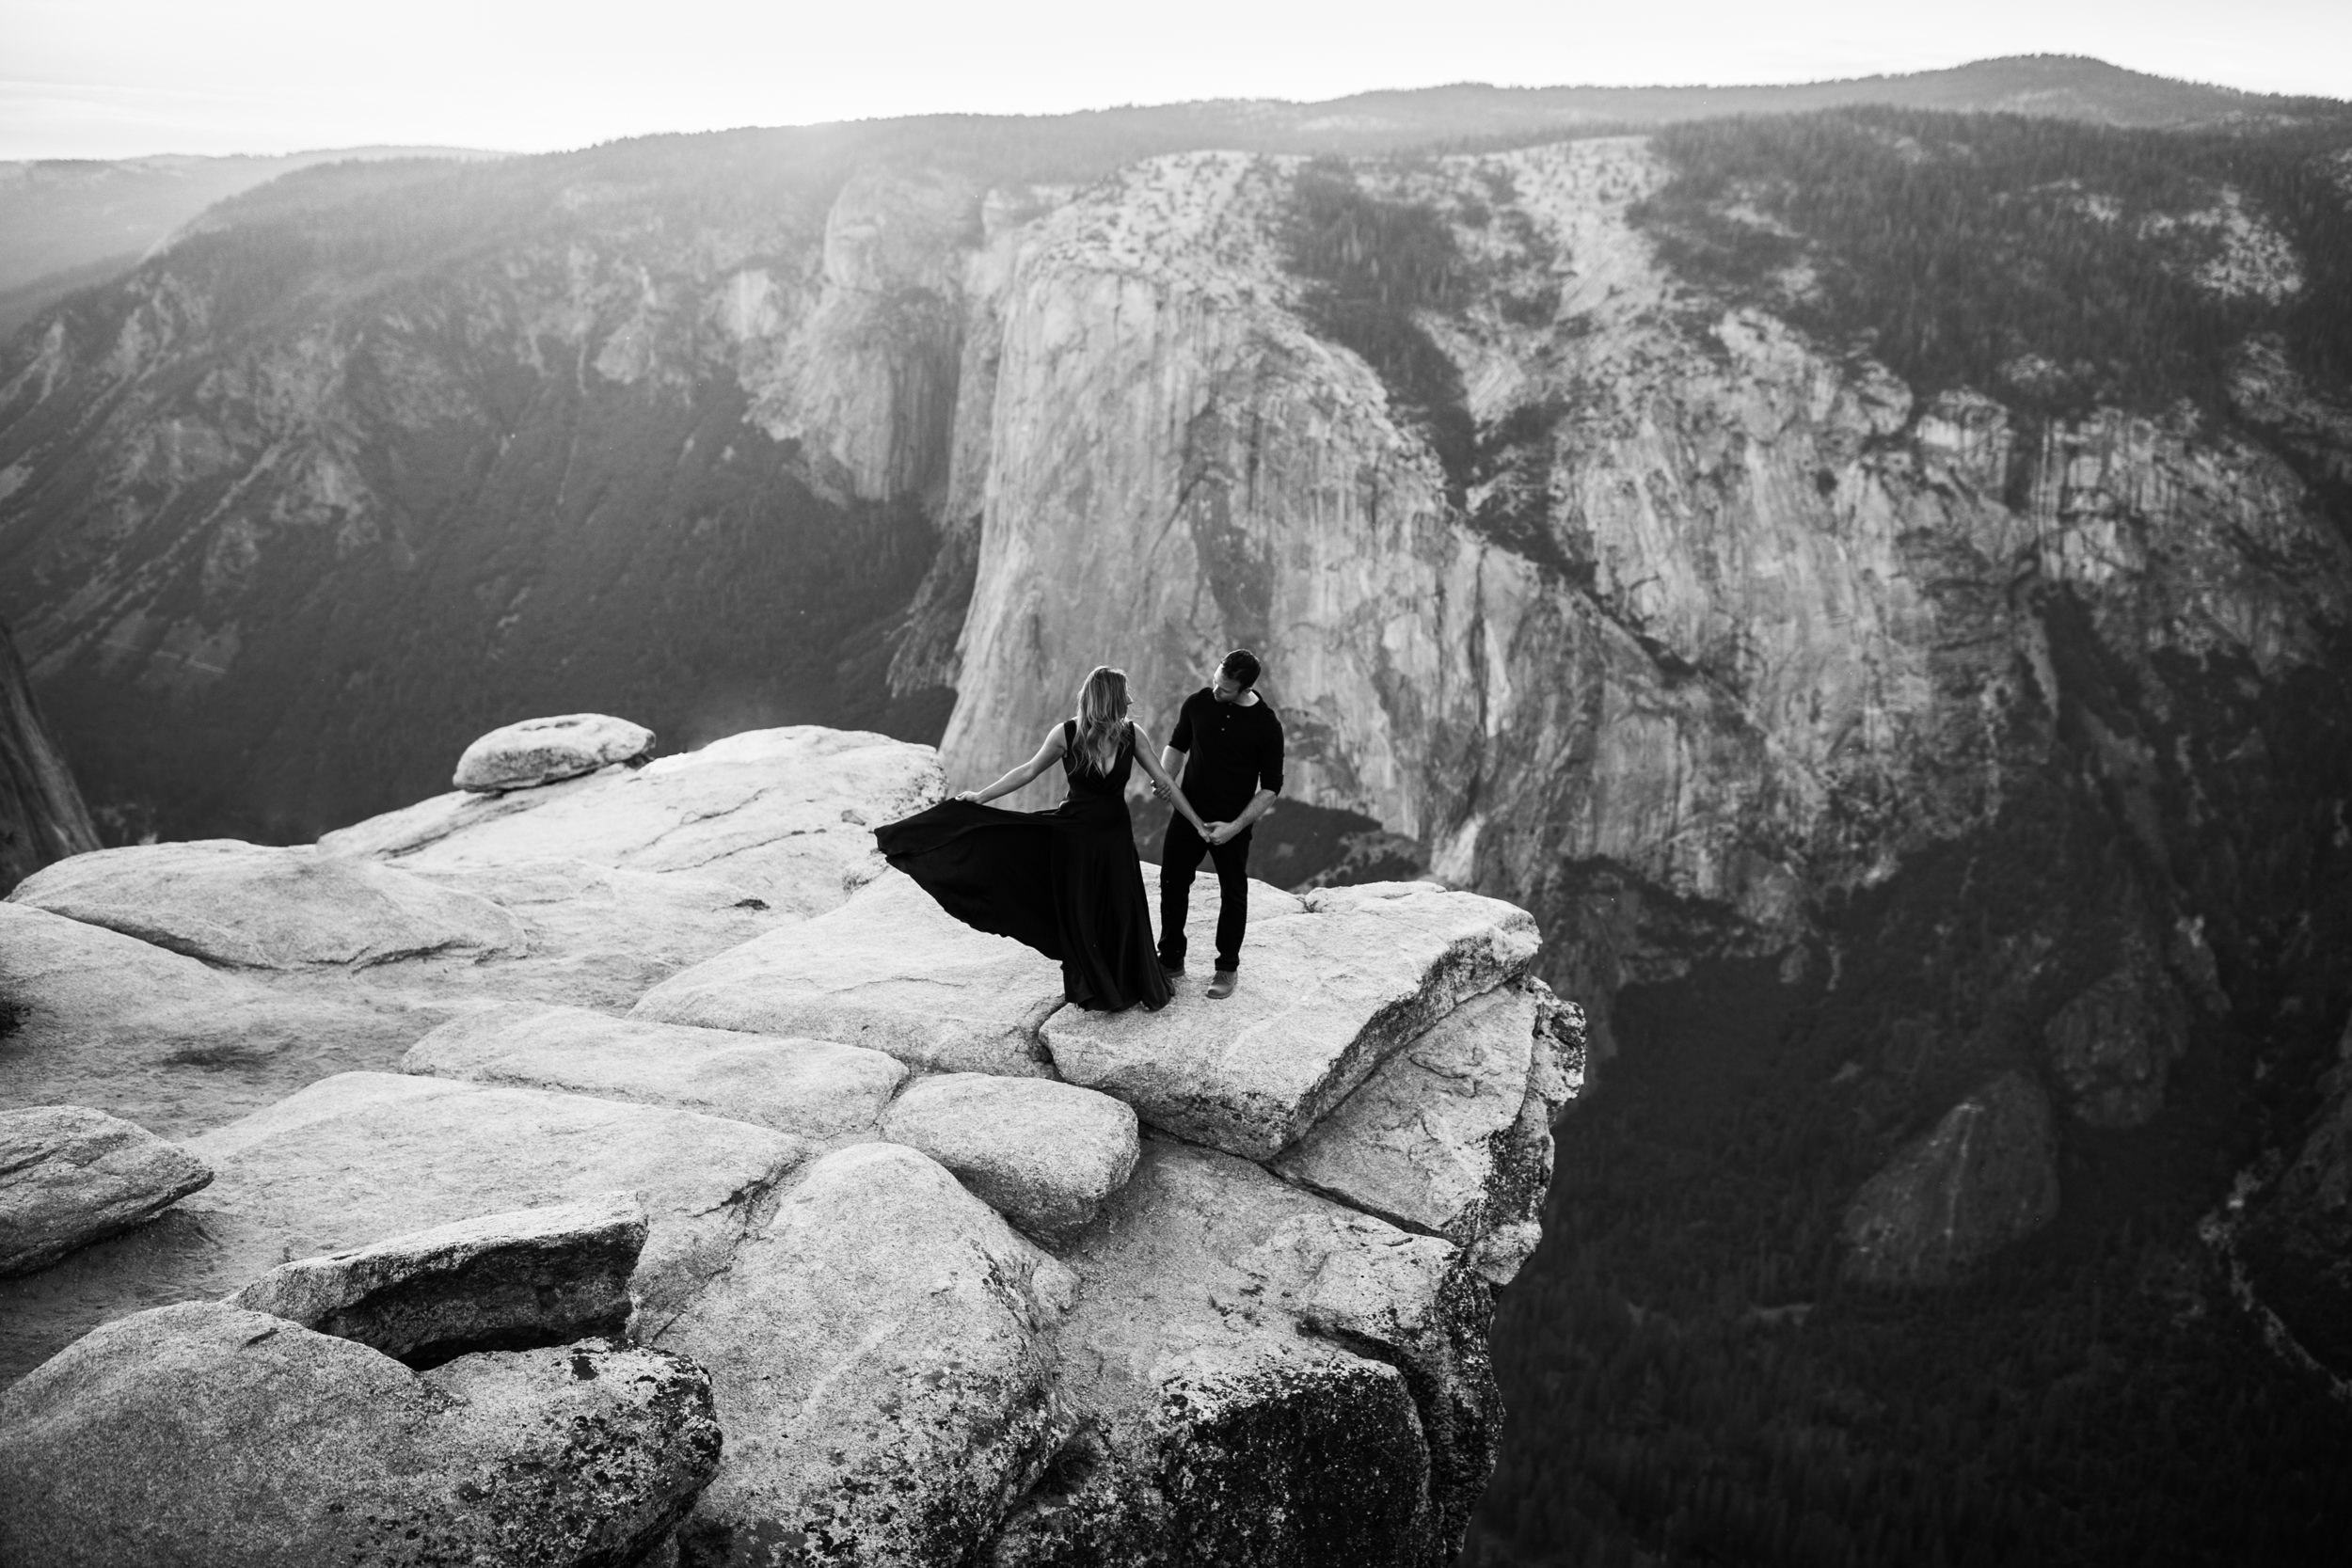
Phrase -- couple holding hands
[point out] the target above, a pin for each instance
(1067, 881)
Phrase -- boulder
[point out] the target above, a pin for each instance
(1985, 1176)
(1043, 1154)
(2112, 1045)
(255, 907)
(817, 1089)
(542, 750)
(1330, 989)
(537, 1276)
(1453, 1135)
(70, 1175)
(117, 1023)
(784, 816)
(201, 1434)
(889, 970)
(364, 1156)
(1268, 1379)
(881, 1360)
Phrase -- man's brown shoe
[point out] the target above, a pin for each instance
(1222, 986)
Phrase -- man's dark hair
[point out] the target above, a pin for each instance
(1243, 666)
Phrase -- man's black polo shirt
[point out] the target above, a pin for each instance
(1230, 753)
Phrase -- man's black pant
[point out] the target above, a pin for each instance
(1179, 857)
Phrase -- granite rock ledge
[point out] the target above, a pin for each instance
(843, 1242)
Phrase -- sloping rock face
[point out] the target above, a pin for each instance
(111, 1022)
(42, 815)
(70, 1176)
(766, 811)
(1985, 1176)
(936, 1318)
(244, 906)
(203, 1433)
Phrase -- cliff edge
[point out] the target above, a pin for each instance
(904, 1261)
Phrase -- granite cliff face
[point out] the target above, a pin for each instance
(42, 817)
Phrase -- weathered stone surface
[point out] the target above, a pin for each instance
(1267, 1379)
(256, 907)
(784, 814)
(817, 1089)
(1453, 1135)
(1983, 1177)
(364, 1156)
(543, 751)
(599, 935)
(1043, 1154)
(117, 1023)
(879, 1356)
(2113, 1044)
(70, 1175)
(536, 1276)
(1327, 993)
(889, 970)
(202, 1434)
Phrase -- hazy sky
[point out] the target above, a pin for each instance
(110, 78)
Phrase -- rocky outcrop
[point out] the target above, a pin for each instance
(246, 906)
(542, 750)
(539, 1276)
(944, 1317)
(1453, 1135)
(2297, 1232)
(42, 817)
(70, 1176)
(1312, 1020)
(2113, 1044)
(1983, 1177)
(203, 1433)
(769, 812)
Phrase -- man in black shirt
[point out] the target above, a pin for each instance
(1230, 746)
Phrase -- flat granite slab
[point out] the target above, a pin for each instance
(785, 815)
(815, 1089)
(1328, 991)
(889, 970)
(364, 1156)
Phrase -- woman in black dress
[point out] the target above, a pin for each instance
(1066, 881)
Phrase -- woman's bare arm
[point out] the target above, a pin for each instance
(1046, 756)
(1166, 787)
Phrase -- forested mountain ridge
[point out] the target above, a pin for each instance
(1875, 583)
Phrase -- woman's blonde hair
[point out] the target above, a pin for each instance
(1102, 717)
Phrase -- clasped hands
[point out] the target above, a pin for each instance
(1216, 833)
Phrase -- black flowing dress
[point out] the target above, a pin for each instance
(1065, 881)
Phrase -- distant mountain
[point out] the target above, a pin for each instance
(65, 224)
(69, 222)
